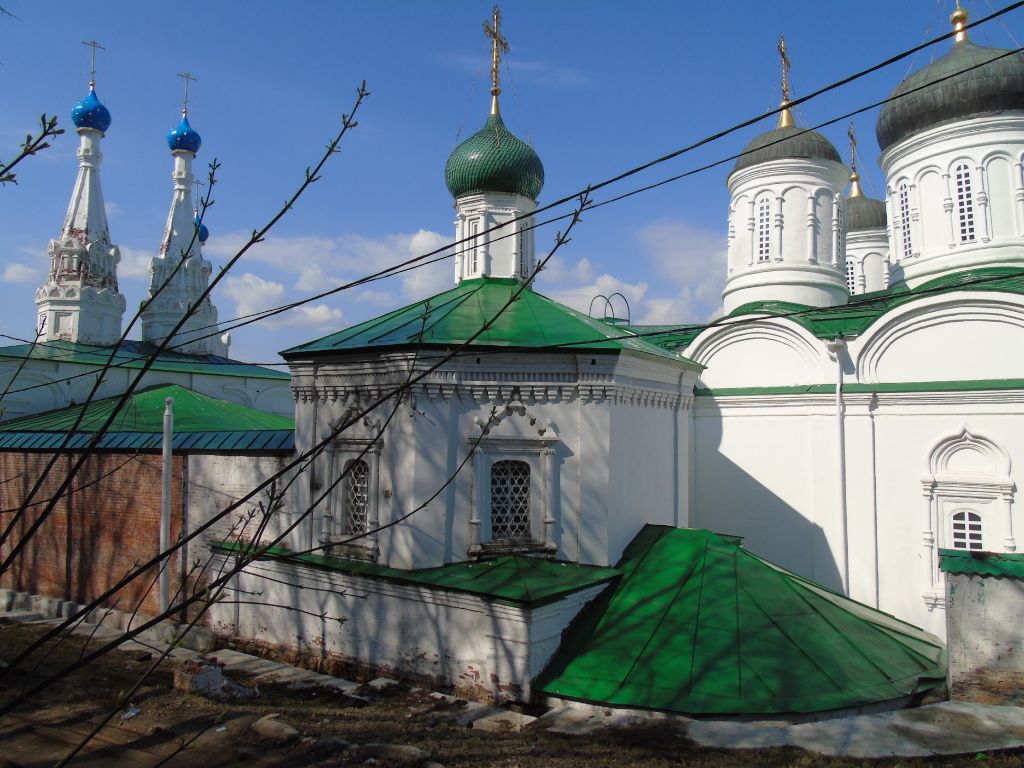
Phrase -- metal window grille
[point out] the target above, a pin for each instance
(475, 246)
(965, 202)
(764, 229)
(851, 280)
(510, 500)
(356, 496)
(904, 196)
(966, 530)
(841, 216)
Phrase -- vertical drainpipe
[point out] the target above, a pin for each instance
(165, 504)
(836, 347)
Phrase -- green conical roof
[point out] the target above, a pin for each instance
(698, 625)
(786, 142)
(494, 160)
(989, 89)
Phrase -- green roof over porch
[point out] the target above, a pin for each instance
(698, 625)
(532, 323)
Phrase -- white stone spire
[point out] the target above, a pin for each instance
(182, 244)
(80, 301)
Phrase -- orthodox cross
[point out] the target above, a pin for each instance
(853, 148)
(499, 45)
(92, 65)
(785, 67)
(186, 76)
(198, 184)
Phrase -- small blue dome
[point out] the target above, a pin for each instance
(204, 233)
(89, 113)
(184, 137)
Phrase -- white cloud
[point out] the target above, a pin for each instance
(113, 209)
(134, 263)
(580, 297)
(20, 273)
(312, 316)
(252, 293)
(377, 298)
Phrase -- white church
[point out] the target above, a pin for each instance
(858, 407)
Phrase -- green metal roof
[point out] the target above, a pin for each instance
(698, 625)
(510, 579)
(448, 319)
(133, 354)
(494, 160)
(989, 89)
(865, 213)
(200, 423)
(784, 143)
(982, 563)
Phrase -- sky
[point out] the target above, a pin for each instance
(596, 87)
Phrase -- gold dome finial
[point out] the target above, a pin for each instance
(854, 176)
(499, 45)
(785, 116)
(958, 19)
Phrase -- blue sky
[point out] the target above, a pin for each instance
(597, 87)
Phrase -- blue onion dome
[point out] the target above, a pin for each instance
(204, 233)
(988, 89)
(494, 160)
(784, 143)
(89, 113)
(184, 137)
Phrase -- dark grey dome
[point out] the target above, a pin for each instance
(986, 90)
(864, 213)
(784, 143)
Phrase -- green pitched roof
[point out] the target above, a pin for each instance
(510, 579)
(982, 563)
(448, 319)
(995, 85)
(133, 354)
(494, 160)
(697, 625)
(200, 423)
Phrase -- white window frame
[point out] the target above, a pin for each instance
(903, 201)
(965, 203)
(334, 520)
(969, 536)
(764, 228)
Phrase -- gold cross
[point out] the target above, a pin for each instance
(186, 76)
(92, 65)
(785, 67)
(499, 45)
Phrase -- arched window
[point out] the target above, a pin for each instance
(764, 228)
(520, 247)
(966, 530)
(851, 279)
(474, 246)
(965, 202)
(356, 496)
(904, 202)
(510, 500)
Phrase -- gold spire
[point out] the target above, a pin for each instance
(785, 116)
(186, 76)
(854, 177)
(958, 19)
(92, 64)
(499, 45)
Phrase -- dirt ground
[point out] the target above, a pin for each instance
(178, 729)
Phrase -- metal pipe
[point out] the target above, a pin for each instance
(165, 504)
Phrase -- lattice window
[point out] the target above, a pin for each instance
(510, 500)
(904, 201)
(474, 246)
(356, 496)
(851, 278)
(520, 246)
(764, 228)
(841, 217)
(966, 530)
(965, 202)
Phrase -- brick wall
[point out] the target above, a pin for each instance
(109, 522)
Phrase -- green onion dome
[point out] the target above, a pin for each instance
(986, 90)
(494, 160)
(784, 143)
(864, 213)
